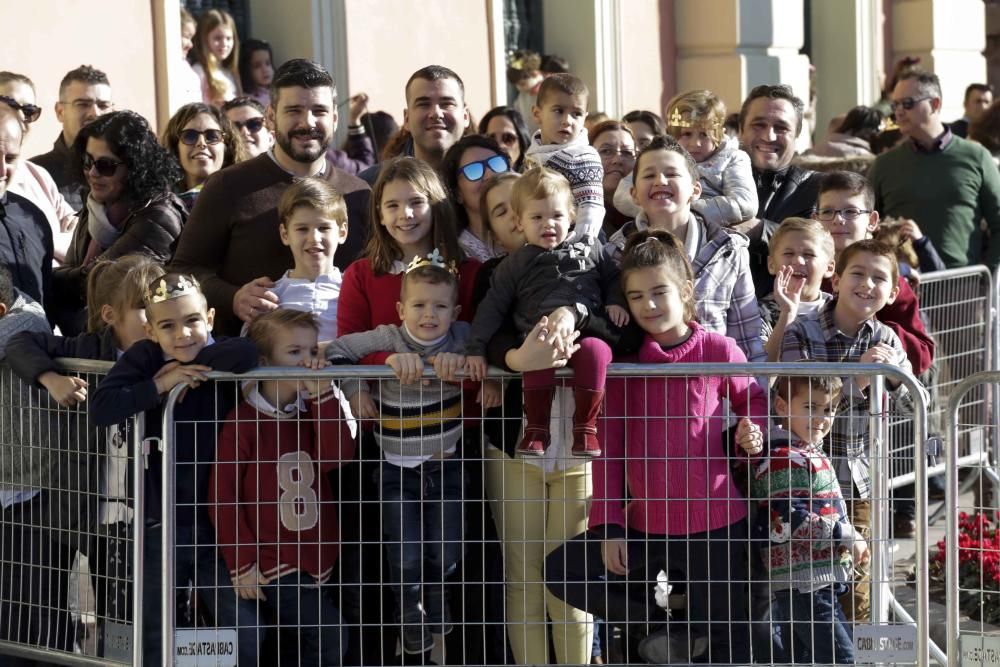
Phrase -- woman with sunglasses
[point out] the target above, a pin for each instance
(131, 208)
(506, 126)
(466, 167)
(202, 141)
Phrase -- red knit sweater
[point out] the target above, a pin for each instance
(664, 438)
(269, 497)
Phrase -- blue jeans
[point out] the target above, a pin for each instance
(298, 603)
(423, 524)
(196, 562)
(812, 627)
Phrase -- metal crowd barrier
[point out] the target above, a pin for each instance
(70, 575)
(958, 310)
(487, 619)
(972, 547)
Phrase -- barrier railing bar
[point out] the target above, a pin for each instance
(798, 369)
(951, 518)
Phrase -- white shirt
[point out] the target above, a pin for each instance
(319, 297)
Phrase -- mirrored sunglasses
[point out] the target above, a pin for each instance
(474, 171)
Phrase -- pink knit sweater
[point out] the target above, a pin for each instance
(664, 436)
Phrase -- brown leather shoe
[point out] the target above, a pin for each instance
(903, 527)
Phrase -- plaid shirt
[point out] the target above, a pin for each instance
(725, 300)
(817, 337)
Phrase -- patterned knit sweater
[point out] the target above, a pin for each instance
(579, 162)
(802, 516)
(414, 419)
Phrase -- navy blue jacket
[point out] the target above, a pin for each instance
(130, 389)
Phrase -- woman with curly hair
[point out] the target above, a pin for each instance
(131, 208)
(202, 140)
(507, 127)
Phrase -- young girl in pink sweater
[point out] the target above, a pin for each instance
(666, 451)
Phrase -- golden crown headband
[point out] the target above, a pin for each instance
(676, 119)
(165, 291)
(433, 259)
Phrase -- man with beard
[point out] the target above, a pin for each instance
(231, 241)
(770, 120)
(434, 119)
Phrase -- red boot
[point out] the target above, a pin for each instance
(537, 410)
(588, 405)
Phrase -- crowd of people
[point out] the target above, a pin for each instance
(543, 237)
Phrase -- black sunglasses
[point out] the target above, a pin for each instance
(254, 125)
(105, 166)
(29, 112)
(212, 137)
(907, 102)
(474, 171)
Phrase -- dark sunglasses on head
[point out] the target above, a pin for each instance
(474, 171)
(29, 112)
(253, 125)
(105, 166)
(190, 137)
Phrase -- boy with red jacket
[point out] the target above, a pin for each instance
(270, 500)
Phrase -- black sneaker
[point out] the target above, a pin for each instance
(416, 638)
(443, 625)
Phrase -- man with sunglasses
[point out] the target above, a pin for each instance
(231, 241)
(944, 183)
(247, 116)
(84, 95)
(25, 236)
(31, 181)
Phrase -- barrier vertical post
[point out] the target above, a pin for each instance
(138, 534)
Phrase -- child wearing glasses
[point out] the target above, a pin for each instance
(467, 166)
(697, 120)
(846, 207)
(574, 284)
(202, 141)
(561, 145)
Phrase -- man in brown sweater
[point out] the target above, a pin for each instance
(231, 241)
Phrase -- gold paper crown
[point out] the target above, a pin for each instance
(433, 259)
(165, 291)
(889, 124)
(676, 119)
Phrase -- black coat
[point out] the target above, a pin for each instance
(130, 389)
(26, 246)
(794, 197)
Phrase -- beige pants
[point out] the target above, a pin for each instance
(535, 512)
(857, 602)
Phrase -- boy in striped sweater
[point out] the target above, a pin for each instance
(419, 429)
(811, 546)
(561, 144)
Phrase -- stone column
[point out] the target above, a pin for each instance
(730, 46)
(949, 36)
(847, 53)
